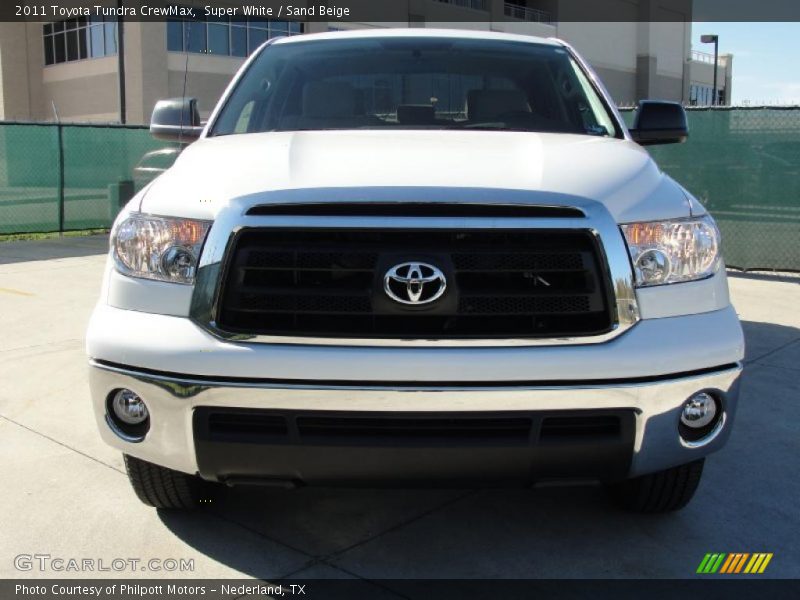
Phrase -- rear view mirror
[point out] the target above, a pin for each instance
(176, 120)
(659, 122)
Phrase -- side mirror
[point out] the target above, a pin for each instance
(658, 122)
(176, 120)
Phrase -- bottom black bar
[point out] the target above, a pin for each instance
(709, 588)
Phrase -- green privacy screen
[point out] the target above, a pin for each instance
(743, 164)
(78, 167)
(29, 178)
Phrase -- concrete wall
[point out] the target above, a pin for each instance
(729, 79)
(642, 57)
(620, 83)
(615, 63)
(670, 43)
(524, 28)
(663, 39)
(85, 90)
(146, 79)
(15, 92)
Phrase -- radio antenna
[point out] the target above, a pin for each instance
(186, 39)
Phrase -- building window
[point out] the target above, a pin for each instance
(224, 37)
(701, 95)
(473, 4)
(196, 37)
(78, 39)
(219, 38)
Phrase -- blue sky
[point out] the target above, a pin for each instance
(765, 67)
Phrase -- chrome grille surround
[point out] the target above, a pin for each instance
(233, 219)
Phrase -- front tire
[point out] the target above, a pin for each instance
(161, 487)
(659, 492)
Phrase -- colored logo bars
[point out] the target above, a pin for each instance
(739, 562)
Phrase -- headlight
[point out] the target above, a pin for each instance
(159, 248)
(673, 251)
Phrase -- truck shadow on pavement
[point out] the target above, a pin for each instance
(573, 531)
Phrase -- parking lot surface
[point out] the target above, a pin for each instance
(64, 493)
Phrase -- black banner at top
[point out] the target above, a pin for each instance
(405, 12)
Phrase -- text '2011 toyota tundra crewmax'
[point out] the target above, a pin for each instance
(415, 258)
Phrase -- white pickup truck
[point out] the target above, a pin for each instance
(415, 257)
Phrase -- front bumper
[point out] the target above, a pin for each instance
(647, 439)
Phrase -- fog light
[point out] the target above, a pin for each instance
(129, 408)
(127, 415)
(699, 411)
(702, 419)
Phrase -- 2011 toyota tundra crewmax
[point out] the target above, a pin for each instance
(415, 257)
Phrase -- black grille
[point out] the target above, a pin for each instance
(260, 426)
(557, 428)
(231, 425)
(441, 449)
(500, 284)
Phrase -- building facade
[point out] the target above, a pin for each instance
(701, 79)
(71, 70)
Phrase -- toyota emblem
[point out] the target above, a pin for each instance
(414, 283)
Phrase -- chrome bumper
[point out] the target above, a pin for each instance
(656, 403)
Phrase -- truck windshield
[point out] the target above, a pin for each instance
(414, 83)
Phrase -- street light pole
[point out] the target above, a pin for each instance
(708, 39)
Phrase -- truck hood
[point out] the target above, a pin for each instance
(556, 168)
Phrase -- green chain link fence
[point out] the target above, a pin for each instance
(59, 177)
(742, 163)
